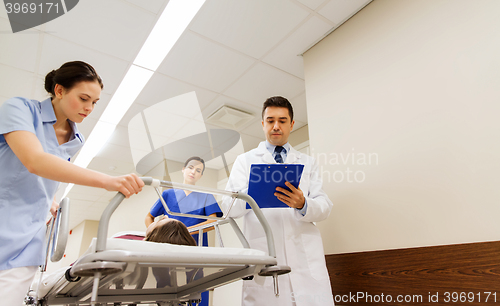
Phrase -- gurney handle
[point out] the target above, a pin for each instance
(58, 234)
(61, 232)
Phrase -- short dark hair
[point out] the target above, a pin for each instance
(278, 101)
(173, 231)
(69, 74)
(195, 158)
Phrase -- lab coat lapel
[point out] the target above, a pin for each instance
(293, 157)
(264, 154)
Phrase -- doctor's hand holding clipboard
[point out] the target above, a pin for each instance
(280, 180)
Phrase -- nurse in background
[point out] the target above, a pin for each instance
(37, 140)
(189, 202)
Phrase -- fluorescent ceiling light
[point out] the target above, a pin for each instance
(95, 142)
(169, 27)
(167, 30)
(128, 90)
(99, 136)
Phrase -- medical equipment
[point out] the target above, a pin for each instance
(133, 272)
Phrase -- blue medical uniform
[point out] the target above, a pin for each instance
(195, 203)
(25, 198)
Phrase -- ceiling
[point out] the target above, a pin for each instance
(234, 53)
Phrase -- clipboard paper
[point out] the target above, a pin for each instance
(264, 178)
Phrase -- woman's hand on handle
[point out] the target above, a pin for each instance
(126, 184)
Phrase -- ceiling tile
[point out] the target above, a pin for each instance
(264, 81)
(163, 125)
(56, 52)
(100, 106)
(104, 200)
(190, 128)
(252, 27)
(3, 14)
(298, 125)
(203, 63)
(120, 136)
(254, 129)
(134, 109)
(16, 82)
(113, 27)
(286, 55)
(87, 126)
(38, 91)
(79, 189)
(338, 11)
(312, 4)
(20, 49)
(115, 152)
(251, 142)
(106, 165)
(153, 6)
(161, 87)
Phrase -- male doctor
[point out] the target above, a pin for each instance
(297, 240)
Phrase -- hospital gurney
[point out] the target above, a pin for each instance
(121, 272)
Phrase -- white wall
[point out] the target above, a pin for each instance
(416, 85)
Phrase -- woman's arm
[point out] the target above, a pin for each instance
(149, 219)
(203, 223)
(29, 150)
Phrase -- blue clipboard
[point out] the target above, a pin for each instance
(264, 178)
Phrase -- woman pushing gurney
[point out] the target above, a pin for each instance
(37, 139)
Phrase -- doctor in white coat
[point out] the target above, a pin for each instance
(297, 239)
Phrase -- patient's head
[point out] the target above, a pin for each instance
(169, 231)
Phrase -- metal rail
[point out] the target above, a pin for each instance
(102, 232)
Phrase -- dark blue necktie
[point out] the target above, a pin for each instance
(278, 157)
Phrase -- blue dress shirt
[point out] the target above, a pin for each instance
(25, 198)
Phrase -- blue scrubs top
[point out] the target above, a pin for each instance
(25, 198)
(195, 203)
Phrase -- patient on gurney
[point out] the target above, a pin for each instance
(172, 231)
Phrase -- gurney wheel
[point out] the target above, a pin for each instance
(104, 267)
(29, 300)
(274, 270)
(70, 278)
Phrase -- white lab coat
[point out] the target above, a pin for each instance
(297, 239)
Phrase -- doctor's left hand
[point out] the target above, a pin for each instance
(293, 197)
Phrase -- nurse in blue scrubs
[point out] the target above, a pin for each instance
(37, 140)
(189, 202)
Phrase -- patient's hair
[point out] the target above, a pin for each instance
(173, 231)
